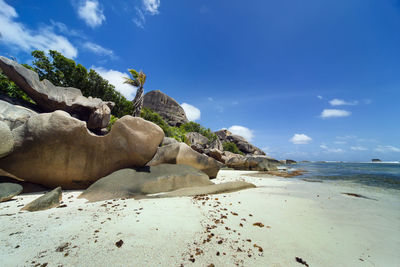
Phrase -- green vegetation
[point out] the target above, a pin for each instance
(169, 131)
(9, 88)
(195, 127)
(231, 147)
(139, 78)
(62, 71)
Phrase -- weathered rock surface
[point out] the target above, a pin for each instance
(49, 98)
(128, 183)
(9, 190)
(14, 115)
(196, 138)
(254, 163)
(6, 140)
(54, 149)
(168, 140)
(240, 142)
(181, 153)
(216, 144)
(215, 154)
(210, 189)
(47, 201)
(166, 106)
(290, 161)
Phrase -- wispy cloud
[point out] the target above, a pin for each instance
(358, 148)
(242, 131)
(98, 49)
(385, 149)
(334, 113)
(150, 7)
(192, 113)
(340, 102)
(327, 149)
(300, 139)
(18, 36)
(91, 12)
(319, 97)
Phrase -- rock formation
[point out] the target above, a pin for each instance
(47, 201)
(180, 153)
(6, 140)
(240, 142)
(127, 183)
(14, 115)
(254, 163)
(54, 149)
(166, 106)
(9, 190)
(50, 98)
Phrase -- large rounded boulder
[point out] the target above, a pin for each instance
(128, 183)
(55, 149)
(180, 153)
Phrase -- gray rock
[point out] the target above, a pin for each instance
(254, 163)
(13, 115)
(216, 144)
(168, 141)
(243, 145)
(215, 154)
(49, 98)
(6, 140)
(196, 139)
(54, 149)
(47, 201)
(290, 161)
(181, 153)
(9, 190)
(128, 183)
(166, 106)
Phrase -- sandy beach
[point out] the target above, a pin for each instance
(270, 225)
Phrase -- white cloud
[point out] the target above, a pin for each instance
(300, 139)
(331, 150)
(151, 6)
(148, 7)
(242, 131)
(340, 102)
(18, 37)
(319, 97)
(192, 113)
(334, 113)
(115, 78)
(385, 149)
(358, 148)
(99, 50)
(91, 13)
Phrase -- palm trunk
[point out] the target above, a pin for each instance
(138, 102)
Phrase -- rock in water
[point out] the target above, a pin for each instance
(49, 97)
(181, 153)
(47, 201)
(54, 149)
(14, 115)
(9, 190)
(166, 106)
(127, 183)
(6, 140)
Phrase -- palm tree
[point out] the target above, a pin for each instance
(138, 80)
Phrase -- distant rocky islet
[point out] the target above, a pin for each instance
(57, 145)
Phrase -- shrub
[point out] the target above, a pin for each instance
(195, 127)
(231, 147)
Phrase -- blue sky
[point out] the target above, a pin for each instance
(306, 80)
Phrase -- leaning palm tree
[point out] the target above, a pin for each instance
(138, 80)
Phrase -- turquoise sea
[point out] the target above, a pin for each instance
(382, 175)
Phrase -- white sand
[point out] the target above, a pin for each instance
(313, 221)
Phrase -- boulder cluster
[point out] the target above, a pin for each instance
(57, 144)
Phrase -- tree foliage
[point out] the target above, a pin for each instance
(138, 80)
(10, 89)
(231, 147)
(62, 71)
(195, 127)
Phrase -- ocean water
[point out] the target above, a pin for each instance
(382, 175)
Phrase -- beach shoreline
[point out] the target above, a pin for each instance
(271, 225)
